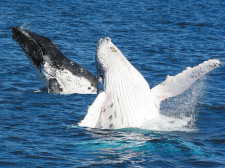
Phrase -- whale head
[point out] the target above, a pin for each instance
(39, 49)
(108, 56)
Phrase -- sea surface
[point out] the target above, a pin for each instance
(159, 38)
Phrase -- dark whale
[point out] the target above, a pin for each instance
(57, 72)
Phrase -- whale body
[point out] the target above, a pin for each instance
(124, 97)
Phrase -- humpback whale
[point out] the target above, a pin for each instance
(124, 97)
(58, 73)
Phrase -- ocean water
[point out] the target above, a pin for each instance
(159, 38)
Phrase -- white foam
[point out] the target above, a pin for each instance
(37, 91)
(165, 123)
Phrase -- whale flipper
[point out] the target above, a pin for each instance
(94, 111)
(175, 85)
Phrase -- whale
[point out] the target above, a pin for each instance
(58, 73)
(124, 98)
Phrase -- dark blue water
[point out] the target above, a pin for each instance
(160, 38)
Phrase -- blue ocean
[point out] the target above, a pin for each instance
(160, 38)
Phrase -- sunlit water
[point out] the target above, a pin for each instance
(159, 38)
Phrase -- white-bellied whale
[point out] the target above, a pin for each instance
(57, 72)
(124, 97)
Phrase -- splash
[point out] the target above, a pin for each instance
(37, 91)
(178, 113)
(24, 26)
(43, 89)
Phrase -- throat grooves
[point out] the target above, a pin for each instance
(120, 85)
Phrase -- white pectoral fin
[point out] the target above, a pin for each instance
(94, 111)
(175, 85)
